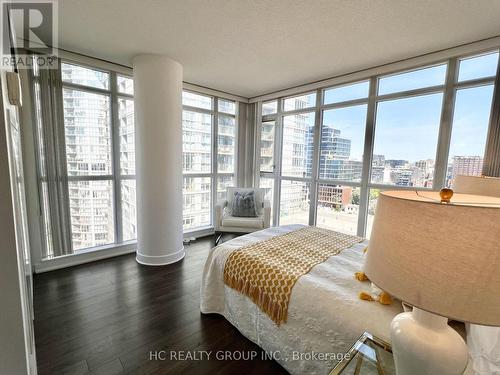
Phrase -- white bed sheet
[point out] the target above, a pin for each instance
(325, 314)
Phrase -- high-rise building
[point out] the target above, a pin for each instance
(466, 165)
(394, 163)
(196, 195)
(334, 196)
(378, 160)
(335, 163)
(297, 160)
(401, 176)
(198, 128)
(378, 173)
(196, 137)
(378, 169)
(87, 123)
(424, 173)
(267, 145)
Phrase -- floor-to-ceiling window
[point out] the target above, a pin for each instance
(94, 151)
(268, 147)
(88, 140)
(473, 100)
(325, 155)
(341, 148)
(297, 158)
(86, 166)
(408, 114)
(209, 155)
(95, 155)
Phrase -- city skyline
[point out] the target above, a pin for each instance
(404, 151)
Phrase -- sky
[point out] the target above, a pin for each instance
(408, 128)
(471, 120)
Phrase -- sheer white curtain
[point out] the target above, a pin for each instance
(51, 165)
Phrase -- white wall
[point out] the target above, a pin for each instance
(13, 358)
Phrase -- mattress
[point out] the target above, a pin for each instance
(325, 315)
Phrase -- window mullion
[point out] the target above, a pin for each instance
(345, 104)
(215, 148)
(236, 145)
(313, 188)
(115, 148)
(278, 147)
(89, 89)
(367, 157)
(490, 159)
(258, 118)
(444, 137)
(338, 182)
(90, 177)
(473, 82)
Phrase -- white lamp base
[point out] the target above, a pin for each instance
(424, 344)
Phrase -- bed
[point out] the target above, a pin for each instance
(325, 314)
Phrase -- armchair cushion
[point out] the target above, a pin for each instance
(224, 222)
(243, 222)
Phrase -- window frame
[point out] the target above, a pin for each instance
(449, 90)
(214, 174)
(48, 257)
(472, 56)
(116, 177)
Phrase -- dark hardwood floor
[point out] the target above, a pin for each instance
(106, 317)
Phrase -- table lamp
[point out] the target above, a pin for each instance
(483, 342)
(439, 252)
(479, 185)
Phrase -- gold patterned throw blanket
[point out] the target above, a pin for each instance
(266, 271)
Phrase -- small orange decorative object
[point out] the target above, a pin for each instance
(376, 293)
(360, 276)
(365, 296)
(385, 298)
(446, 194)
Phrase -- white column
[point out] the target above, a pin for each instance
(158, 142)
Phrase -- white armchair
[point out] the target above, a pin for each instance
(225, 223)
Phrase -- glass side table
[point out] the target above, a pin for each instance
(368, 356)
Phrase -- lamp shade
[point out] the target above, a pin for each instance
(479, 185)
(442, 258)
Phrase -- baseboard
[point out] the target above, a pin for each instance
(104, 252)
(160, 260)
(84, 257)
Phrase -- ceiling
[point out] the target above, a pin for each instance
(253, 47)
